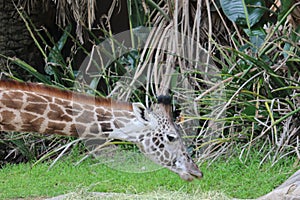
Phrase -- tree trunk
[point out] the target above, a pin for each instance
(15, 38)
(16, 41)
(289, 190)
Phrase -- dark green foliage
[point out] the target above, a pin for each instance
(259, 70)
(244, 13)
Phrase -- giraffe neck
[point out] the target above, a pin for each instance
(28, 107)
(38, 108)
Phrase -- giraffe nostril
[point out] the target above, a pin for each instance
(171, 138)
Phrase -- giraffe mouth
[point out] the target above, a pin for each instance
(191, 175)
(193, 172)
(197, 175)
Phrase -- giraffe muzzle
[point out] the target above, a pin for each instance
(197, 175)
(193, 173)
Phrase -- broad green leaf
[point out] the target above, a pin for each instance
(257, 37)
(286, 5)
(243, 12)
(55, 57)
(31, 70)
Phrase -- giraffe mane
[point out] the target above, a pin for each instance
(65, 94)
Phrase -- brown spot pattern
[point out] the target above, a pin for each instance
(55, 126)
(72, 112)
(94, 129)
(38, 98)
(105, 126)
(85, 117)
(27, 117)
(118, 124)
(78, 129)
(7, 117)
(37, 123)
(9, 127)
(36, 108)
(14, 104)
(119, 114)
(17, 95)
(73, 130)
(55, 108)
(103, 118)
(59, 107)
(88, 107)
(59, 101)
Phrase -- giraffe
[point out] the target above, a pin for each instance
(29, 107)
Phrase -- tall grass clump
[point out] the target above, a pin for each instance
(241, 92)
(260, 72)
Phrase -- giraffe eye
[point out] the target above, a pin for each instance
(171, 138)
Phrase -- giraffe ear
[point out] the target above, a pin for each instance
(141, 112)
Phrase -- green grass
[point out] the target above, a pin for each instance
(230, 177)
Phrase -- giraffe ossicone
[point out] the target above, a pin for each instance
(28, 107)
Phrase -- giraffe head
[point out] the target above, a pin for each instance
(159, 139)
